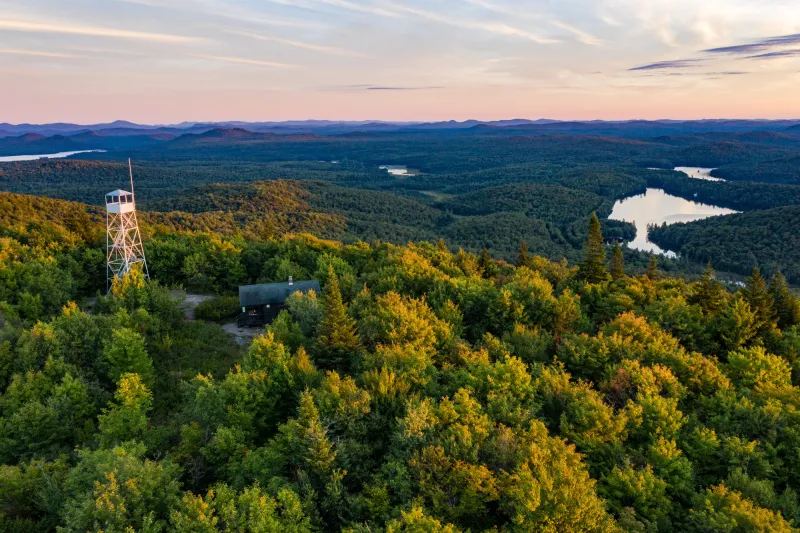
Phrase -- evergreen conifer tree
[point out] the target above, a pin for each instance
(485, 264)
(593, 268)
(522, 254)
(786, 306)
(337, 331)
(709, 294)
(756, 294)
(652, 268)
(617, 265)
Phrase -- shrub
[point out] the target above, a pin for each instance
(218, 308)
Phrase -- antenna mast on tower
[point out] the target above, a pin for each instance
(123, 239)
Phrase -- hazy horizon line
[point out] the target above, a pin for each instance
(398, 122)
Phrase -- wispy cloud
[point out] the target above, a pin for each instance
(245, 61)
(582, 36)
(359, 7)
(499, 28)
(374, 87)
(298, 44)
(776, 55)
(759, 46)
(10, 51)
(40, 27)
(664, 65)
(379, 88)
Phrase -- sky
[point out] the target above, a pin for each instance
(167, 61)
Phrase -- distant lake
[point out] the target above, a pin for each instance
(656, 207)
(698, 173)
(398, 170)
(59, 155)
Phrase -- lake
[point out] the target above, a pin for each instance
(656, 207)
(398, 170)
(698, 173)
(59, 155)
(694, 172)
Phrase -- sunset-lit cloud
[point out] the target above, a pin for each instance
(38, 27)
(297, 44)
(245, 61)
(37, 53)
(174, 60)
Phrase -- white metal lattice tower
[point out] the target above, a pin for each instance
(123, 240)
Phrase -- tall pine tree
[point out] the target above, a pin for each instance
(617, 265)
(652, 268)
(522, 254)
(709, 293)
(756, 294)
(593, 268)
(786, 306)
(338, 339)
(485, 263)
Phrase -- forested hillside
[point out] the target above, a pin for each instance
(768, 239)
(477, 186)
(424, 390)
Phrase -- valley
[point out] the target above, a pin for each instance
(476, 187)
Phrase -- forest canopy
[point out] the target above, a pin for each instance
(425, 389)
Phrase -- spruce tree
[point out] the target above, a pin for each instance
(756, 294)
(485, 263)
(522, 254)
(617, 265)
(709, 293)
(786, 306)
(593, 268)
(652, 268)
(337, 331)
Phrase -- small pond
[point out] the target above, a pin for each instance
(399, 170)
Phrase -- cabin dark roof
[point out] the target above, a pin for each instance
(273, 293)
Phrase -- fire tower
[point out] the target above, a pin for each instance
(123, 240)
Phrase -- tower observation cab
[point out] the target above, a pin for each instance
(123, 239)
(119, 201)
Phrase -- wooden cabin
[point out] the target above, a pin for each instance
(262, 303)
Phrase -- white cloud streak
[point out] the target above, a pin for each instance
(361, 8)
(65, 28)
(498, 28)
(35, 53)
(582, 36)
(298, 44)
(245, 61)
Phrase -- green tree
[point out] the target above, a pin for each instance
(118, 491)
(415, 521)
(522, 254)
(756, 294)
(652, 268)
(125, 352)
(785, 304)
(737, 324)
(485, 263)
(225, 510)
(709, 293)
(338, 340)
(617, 265)
(127, 418)
(593, 268)
(721, 509)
